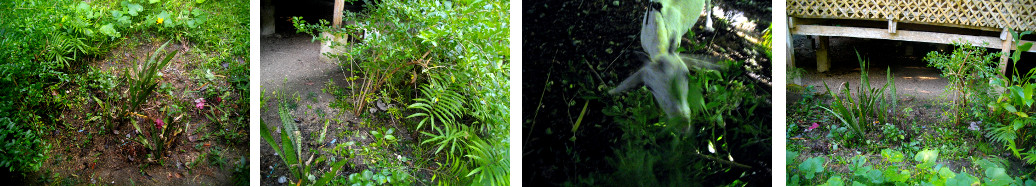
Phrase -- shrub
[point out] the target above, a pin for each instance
(20, 149)
(968, 68)
(1012, 122)
(458, 52)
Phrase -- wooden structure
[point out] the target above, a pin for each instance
(931, 21)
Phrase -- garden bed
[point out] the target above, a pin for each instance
(92, 107)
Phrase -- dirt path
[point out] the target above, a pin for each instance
(292, 65)
(912, 76)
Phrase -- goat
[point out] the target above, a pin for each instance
(665, 72)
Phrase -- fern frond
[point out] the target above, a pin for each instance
(1002, 133)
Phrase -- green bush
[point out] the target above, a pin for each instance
(1012, 120)
(21, 148)
(894, 171)
(458, 52)
(968, 69)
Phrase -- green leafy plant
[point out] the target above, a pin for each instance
(455, 56)
(290, 150)
(869, 102)
(143, 80)
(157, 139)
(23, 150)
(968, 68)
(384, 177)
(1013, 125)
(298, 168)
(812, 166)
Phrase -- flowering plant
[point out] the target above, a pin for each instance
(158, 138)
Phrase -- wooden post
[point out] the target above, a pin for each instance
(892, 26)
(823, 63)
(1006, 49)
(337, 20)
(790, 46)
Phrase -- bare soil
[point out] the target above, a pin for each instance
(84, 154)
(291, 64)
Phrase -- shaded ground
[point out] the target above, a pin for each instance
(575, 50)
(913, 77)
(291, 64)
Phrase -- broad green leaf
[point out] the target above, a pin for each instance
(1009, 107)
(1025, 47)
(927, 156)
(892, 155)
(812, 166)
(997, 177)
(110, 31)
(875, 176)
(945, 173)
(834, 181)
(134, 8)
(962, 179)
(790, 156)
(858, 161)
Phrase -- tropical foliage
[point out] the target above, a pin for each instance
(456, 56)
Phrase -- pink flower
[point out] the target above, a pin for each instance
(199, 103)
(811, 127)
(159, 123)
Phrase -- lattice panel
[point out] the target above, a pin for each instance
(1018, 14)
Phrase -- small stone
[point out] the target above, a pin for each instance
(382, 106)
(282, 180)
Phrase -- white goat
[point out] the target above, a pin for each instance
(665, 72)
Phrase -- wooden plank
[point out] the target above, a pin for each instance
(337, 17)
(901, 35)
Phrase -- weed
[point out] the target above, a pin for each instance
(158, 137)
(869, 102)
(144, 80)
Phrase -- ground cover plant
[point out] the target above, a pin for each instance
(976, 134)
(576, 134)
(424, 100)
(124, 92)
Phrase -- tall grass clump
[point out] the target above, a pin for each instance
(869, 102)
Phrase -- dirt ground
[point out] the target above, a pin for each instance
(85, 155)
(292, 64)
(912, 76)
